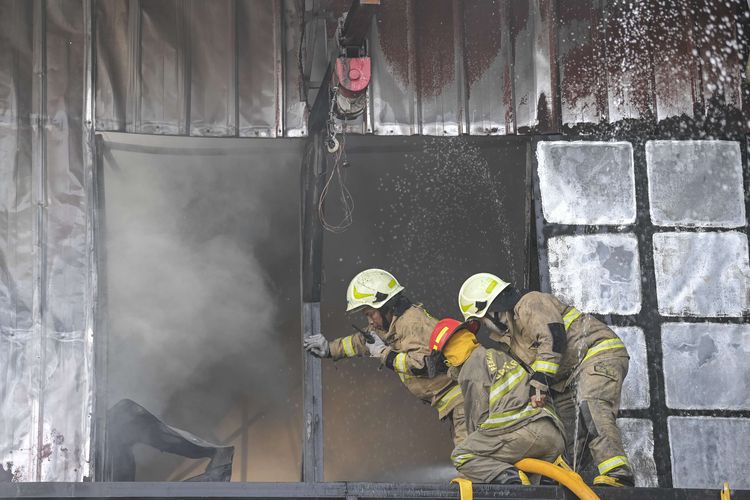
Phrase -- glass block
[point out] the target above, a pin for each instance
(702, 274)
(597, 273)
(706, 451)
(635, 388)
(638, 440)
(695, 183)
(713, 358)
(587, 182)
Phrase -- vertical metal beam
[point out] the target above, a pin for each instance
(313, 173)
(89, 166)
(39, 199)
(101, 332)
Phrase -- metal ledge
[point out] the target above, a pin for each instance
(345, 491)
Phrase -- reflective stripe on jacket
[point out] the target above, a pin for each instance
(409, 337)
(532, 336)
(496, 393)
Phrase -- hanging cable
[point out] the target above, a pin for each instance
(338, 149)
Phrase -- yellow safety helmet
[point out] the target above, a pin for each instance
(478, 292)
(371, 287)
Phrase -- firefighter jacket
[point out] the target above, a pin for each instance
(554, 339)
(407, 343)
(496, 393)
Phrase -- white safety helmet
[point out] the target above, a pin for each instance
(477, 293)
(371, 287)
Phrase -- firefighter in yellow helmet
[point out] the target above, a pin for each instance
(573, 356)
(503, 426)
(398, 335)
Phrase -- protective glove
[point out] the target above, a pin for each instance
(317, 345)
(375, 348)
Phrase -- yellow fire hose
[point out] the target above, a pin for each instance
(559, 471)
(464, 487)
(726, 493)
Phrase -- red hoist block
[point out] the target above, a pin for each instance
(353, 75)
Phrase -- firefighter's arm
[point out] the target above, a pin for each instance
(544, 325)
(410, 358)
(350, 346)
(411, 362)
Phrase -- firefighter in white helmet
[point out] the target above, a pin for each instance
(399, 334)
(571, 355)
(503, 426)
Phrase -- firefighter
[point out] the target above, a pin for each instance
(573, 356)
(400, 333)
(502, 424)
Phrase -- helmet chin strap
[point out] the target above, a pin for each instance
(492, 321)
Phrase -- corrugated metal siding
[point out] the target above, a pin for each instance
(46, 392)
(440, 67)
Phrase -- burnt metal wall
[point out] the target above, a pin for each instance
(440, 67)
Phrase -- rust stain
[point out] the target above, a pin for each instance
(482, 34)
(392, 31)
(57, 438)
(579, 74)
(508, 99)
(434, 34)
(543, 113)
(578, 10)
(46, 451)
(519, 18)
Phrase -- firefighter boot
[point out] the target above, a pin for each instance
(508, 476)
(620, 477)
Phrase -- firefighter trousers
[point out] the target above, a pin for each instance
(588, 409)
(458, 425)
(483, 456)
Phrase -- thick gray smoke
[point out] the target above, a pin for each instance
(201, 281)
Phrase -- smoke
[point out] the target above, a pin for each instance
(201, 280)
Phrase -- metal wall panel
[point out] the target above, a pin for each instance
(18, 341)
(212, 68)
(534, 64)
(393, 86)
(438, 79)
(113, 63)
(583, 83)
(66, 377)
(676, 71)
(719, 48)
(629, 66)
(259, 71)
(488, 66)
(294, 103)
(440, 67)
(44, 343)
(158, 96)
